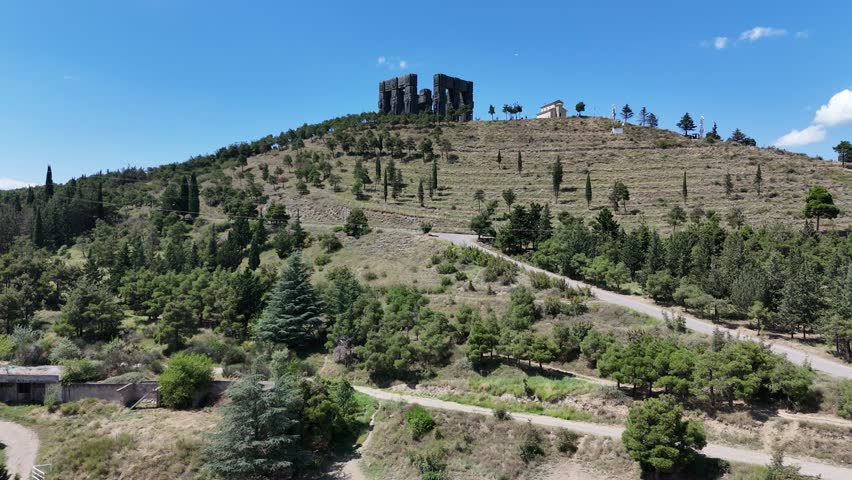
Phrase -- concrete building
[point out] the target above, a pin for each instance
(552, 110)
(27, 384)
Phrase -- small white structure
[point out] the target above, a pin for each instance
(618, 130)
(552, 110)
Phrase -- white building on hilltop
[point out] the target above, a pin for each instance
(552, 110)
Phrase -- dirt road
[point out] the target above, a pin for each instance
(646, 307)
(21, 448)
(732, 454)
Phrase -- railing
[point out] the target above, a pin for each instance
(39, 472)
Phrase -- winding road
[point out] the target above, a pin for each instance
(21, 448)
(642, 305)
(732, 454)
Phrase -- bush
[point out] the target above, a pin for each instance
(446, 268)
(446, 281)
(540, 280)
(80, 371)
(661, 286)
(419, 421)
(531, 445)
(425, 227)
(322, 260)
(461, 276)
(330, 243)
(430, 464)
(500, 413)
(566, 442)
(64, 349)
(52, 397)
(844, 408)
(185, 375)
(218, 349)
(70, 408)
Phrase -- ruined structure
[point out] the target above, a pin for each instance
(400, 95)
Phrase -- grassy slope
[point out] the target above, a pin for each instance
(653, 174)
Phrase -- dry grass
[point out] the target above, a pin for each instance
(652, 173)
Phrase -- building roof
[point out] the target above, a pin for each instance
(560, 102)
(15, 373)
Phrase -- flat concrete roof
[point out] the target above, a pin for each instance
(20, 373)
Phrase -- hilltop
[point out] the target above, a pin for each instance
(651, 162)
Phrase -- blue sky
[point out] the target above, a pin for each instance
(96, 85)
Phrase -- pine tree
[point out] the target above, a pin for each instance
(48, 183)
(38, 229)
(684, 191)
(686, 123)
(420, 193)
(184, 195)
(385, 185)
(652, 120)
(99, 201)
(588, 190)
(434, 174)
(520, 164)
(557, 178)
(758, 180)
(256, 437)
(194, 196)
(258, 241)
(499, 158)
(378, 170)
(292, 316)
(729, 184)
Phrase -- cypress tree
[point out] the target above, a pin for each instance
(684, 191)
(557, 178)
(48, 183)
(194, 196)
(184, 195)
(499, 158)
(434, 174)
(588, 190)
(758, 180)
(38, 229)
(420, 192)
(258, 240)
(378, 169)
(385, 184)
(520, 164)
(99, 201)
(30, 196)
(292, 316)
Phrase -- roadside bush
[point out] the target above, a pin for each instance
(566, 442)
(500, 413)
(425, 227)
(185, 375)
(661, 286)
(531, 445)
(80, 371)
(844, 407)
(540, 280)
(419, 421)
(497, 269)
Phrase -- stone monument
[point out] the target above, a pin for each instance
(400, 95)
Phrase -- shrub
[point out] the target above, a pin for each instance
(430, 463)
(844, 408)
(446, 268)
(540, 280)
(566, 442)
(661, 286)
(552, 306)
(52, 397)
(185, 375)
(80, 371)
(461, 276)
(425, 227)
(500, 413)
(531, 445)
(70, 408)
(218, 349)
(322, 260)
(420, 421)
(499, 269)
(330, 243)
(446, 281)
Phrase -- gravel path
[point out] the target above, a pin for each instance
(644, 306)
(21, 448)
(733, 454)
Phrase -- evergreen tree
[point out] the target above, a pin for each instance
(652, 120)
(729, 184)
(588, 190)
(420, 193)
(819, 203)
(292, 315)
(176, 326)
(38, 229)
(378, 170)
(557, 177)
(184, 195)
(48, 183)
(658, 438)
(298, 234)
(491, 111)
(499, 158)
(434, 174)
(194, 196)
(520, 164)
(684, 191)
(758, 180)
(257, 436)
(509, 197)
(385, 186)
(686, 123)
(580, 108)
(356, 223)
(258, 241)
(626, 113)
(99, 201)
(479, 196)
(643, 116)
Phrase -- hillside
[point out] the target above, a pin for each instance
(651, 162)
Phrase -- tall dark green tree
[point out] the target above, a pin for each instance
(499, 158)
(38, 229)
(819, 204)
(257, 437)
(293, 314)
(378, 169)
(520, 164)
(844, 152)
(684, 191)
(686, 123)
(420, 193)
(99, 201)
(626, 113)
(588, 190)
(434, 174)
(184, 195)
(758, 180)
(194, 196)
(48, 183)
(556, 175)
(385, 186)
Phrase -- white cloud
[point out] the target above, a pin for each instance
(720, 42)
(757, 33)
(11, 183)
(802, 35)
(838, 111)
(403, 64)
(392, 63)
(798, 138)
(381, 61)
